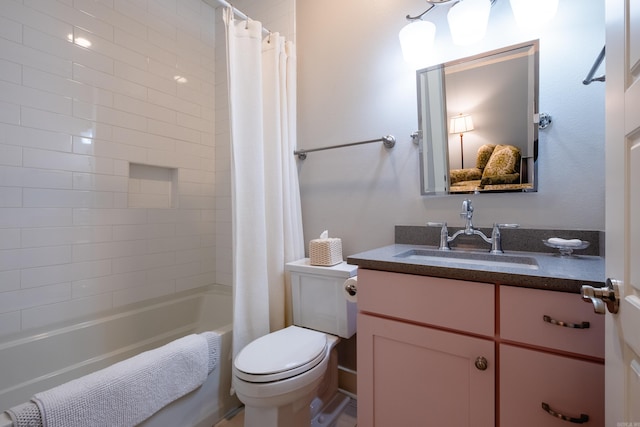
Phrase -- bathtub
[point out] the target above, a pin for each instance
(46, 358)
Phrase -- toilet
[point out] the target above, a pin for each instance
(289, 378)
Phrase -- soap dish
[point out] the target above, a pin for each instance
(566, 249)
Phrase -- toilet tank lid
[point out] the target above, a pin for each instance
(281, 351)
(339, 270)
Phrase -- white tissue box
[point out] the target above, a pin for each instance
(326, 252)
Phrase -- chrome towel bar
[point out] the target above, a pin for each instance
(388, 140)
(589, 79)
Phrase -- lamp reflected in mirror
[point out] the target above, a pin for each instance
(461, 124)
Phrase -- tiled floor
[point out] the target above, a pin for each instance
(347, 419)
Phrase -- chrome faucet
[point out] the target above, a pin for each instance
(469, 230)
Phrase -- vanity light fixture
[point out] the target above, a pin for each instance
(461, 124)
(467, 21)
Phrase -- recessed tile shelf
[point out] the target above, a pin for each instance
(152, 186)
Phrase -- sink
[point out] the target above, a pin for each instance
(481, 259)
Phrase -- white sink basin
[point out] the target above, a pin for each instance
(470, 258)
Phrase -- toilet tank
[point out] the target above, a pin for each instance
(318, 298)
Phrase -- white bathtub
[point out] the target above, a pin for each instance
(46, 358)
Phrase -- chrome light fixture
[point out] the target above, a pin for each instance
(467, 20)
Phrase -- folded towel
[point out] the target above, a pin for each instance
(25, 415)
(570, 243)
(130, 391)
(213, 341)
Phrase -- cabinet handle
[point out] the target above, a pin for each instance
(582, 325)
(481, 363)
(583, 417)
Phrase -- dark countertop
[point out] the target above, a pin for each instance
(555, 272)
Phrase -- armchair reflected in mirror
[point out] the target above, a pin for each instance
(499, 144)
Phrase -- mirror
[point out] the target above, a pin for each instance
(478, 122)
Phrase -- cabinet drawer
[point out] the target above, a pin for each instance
(452, 304)
(529, 378)
(522, 319)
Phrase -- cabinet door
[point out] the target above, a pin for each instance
(410, 375)
(567, 386)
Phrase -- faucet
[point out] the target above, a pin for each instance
(469, 230)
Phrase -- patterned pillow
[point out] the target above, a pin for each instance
(505, 159)
(484, 154)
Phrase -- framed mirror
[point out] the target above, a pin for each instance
(478, 120)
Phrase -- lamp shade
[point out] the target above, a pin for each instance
(468, 20)
(416, 40)
(461, 124)
(533, 13)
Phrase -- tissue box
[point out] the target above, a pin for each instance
(325, 252)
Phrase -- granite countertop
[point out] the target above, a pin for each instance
(555, 272)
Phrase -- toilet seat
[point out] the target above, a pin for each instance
(280, 355)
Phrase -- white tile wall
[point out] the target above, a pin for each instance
(72, 119)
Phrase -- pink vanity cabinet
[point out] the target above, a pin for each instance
(443, 352)
(426, 351)
(551, 359)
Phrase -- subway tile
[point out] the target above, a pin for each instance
(69, 14)
(9, 113)
(195, 281)
(9, 238)
(67, 49)
(24, 55)
(109, 216)
(35, 217)
(26, 298)
(10, 71)
(36, 138)
(49, 198)
(33, 18)
(142, 262)
(108, 13)
(26, 96)
(10, 30)
(95, 182)
(144, 47)
(42, 80)
(172, 272)
(64, 311)
(114, 150)
(10, 197)
(52, 236)
(176, 243)
(110, 116)
(143, 77)
(62, 123)
(173, 131)
(9, 281)
(196, 202)
(66, 161)
(159, 216)
(13, 176)
(114, 282)
(143, 139)
(141, 200)
(191, 256)
(49, 275)
(177, 104)
(107, 250)
(50, 255)
(135, 106)
(106, 81)
(137, 294)
(9, 323)
(143, 231)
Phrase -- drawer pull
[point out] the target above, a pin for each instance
(583, 417)
(583, 325)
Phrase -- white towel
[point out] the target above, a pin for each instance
(130, 391)
(213, 341)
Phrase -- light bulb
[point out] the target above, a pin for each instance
(468, 21)
(416, 40)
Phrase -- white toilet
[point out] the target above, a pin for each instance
(289, 378)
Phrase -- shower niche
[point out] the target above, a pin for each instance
(152, 186)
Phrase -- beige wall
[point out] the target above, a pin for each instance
(353, 85)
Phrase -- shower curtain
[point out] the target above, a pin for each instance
(267, 218)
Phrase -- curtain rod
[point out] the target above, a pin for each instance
(239, 13)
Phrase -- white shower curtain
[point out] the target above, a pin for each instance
(267, 219)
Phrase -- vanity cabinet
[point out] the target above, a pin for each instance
(551, 352)
(436, 352)
(426, 354)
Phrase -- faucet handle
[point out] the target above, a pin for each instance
(496, 237)
(498, 226)
(436, 224)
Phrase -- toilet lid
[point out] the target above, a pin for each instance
(281, 354)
